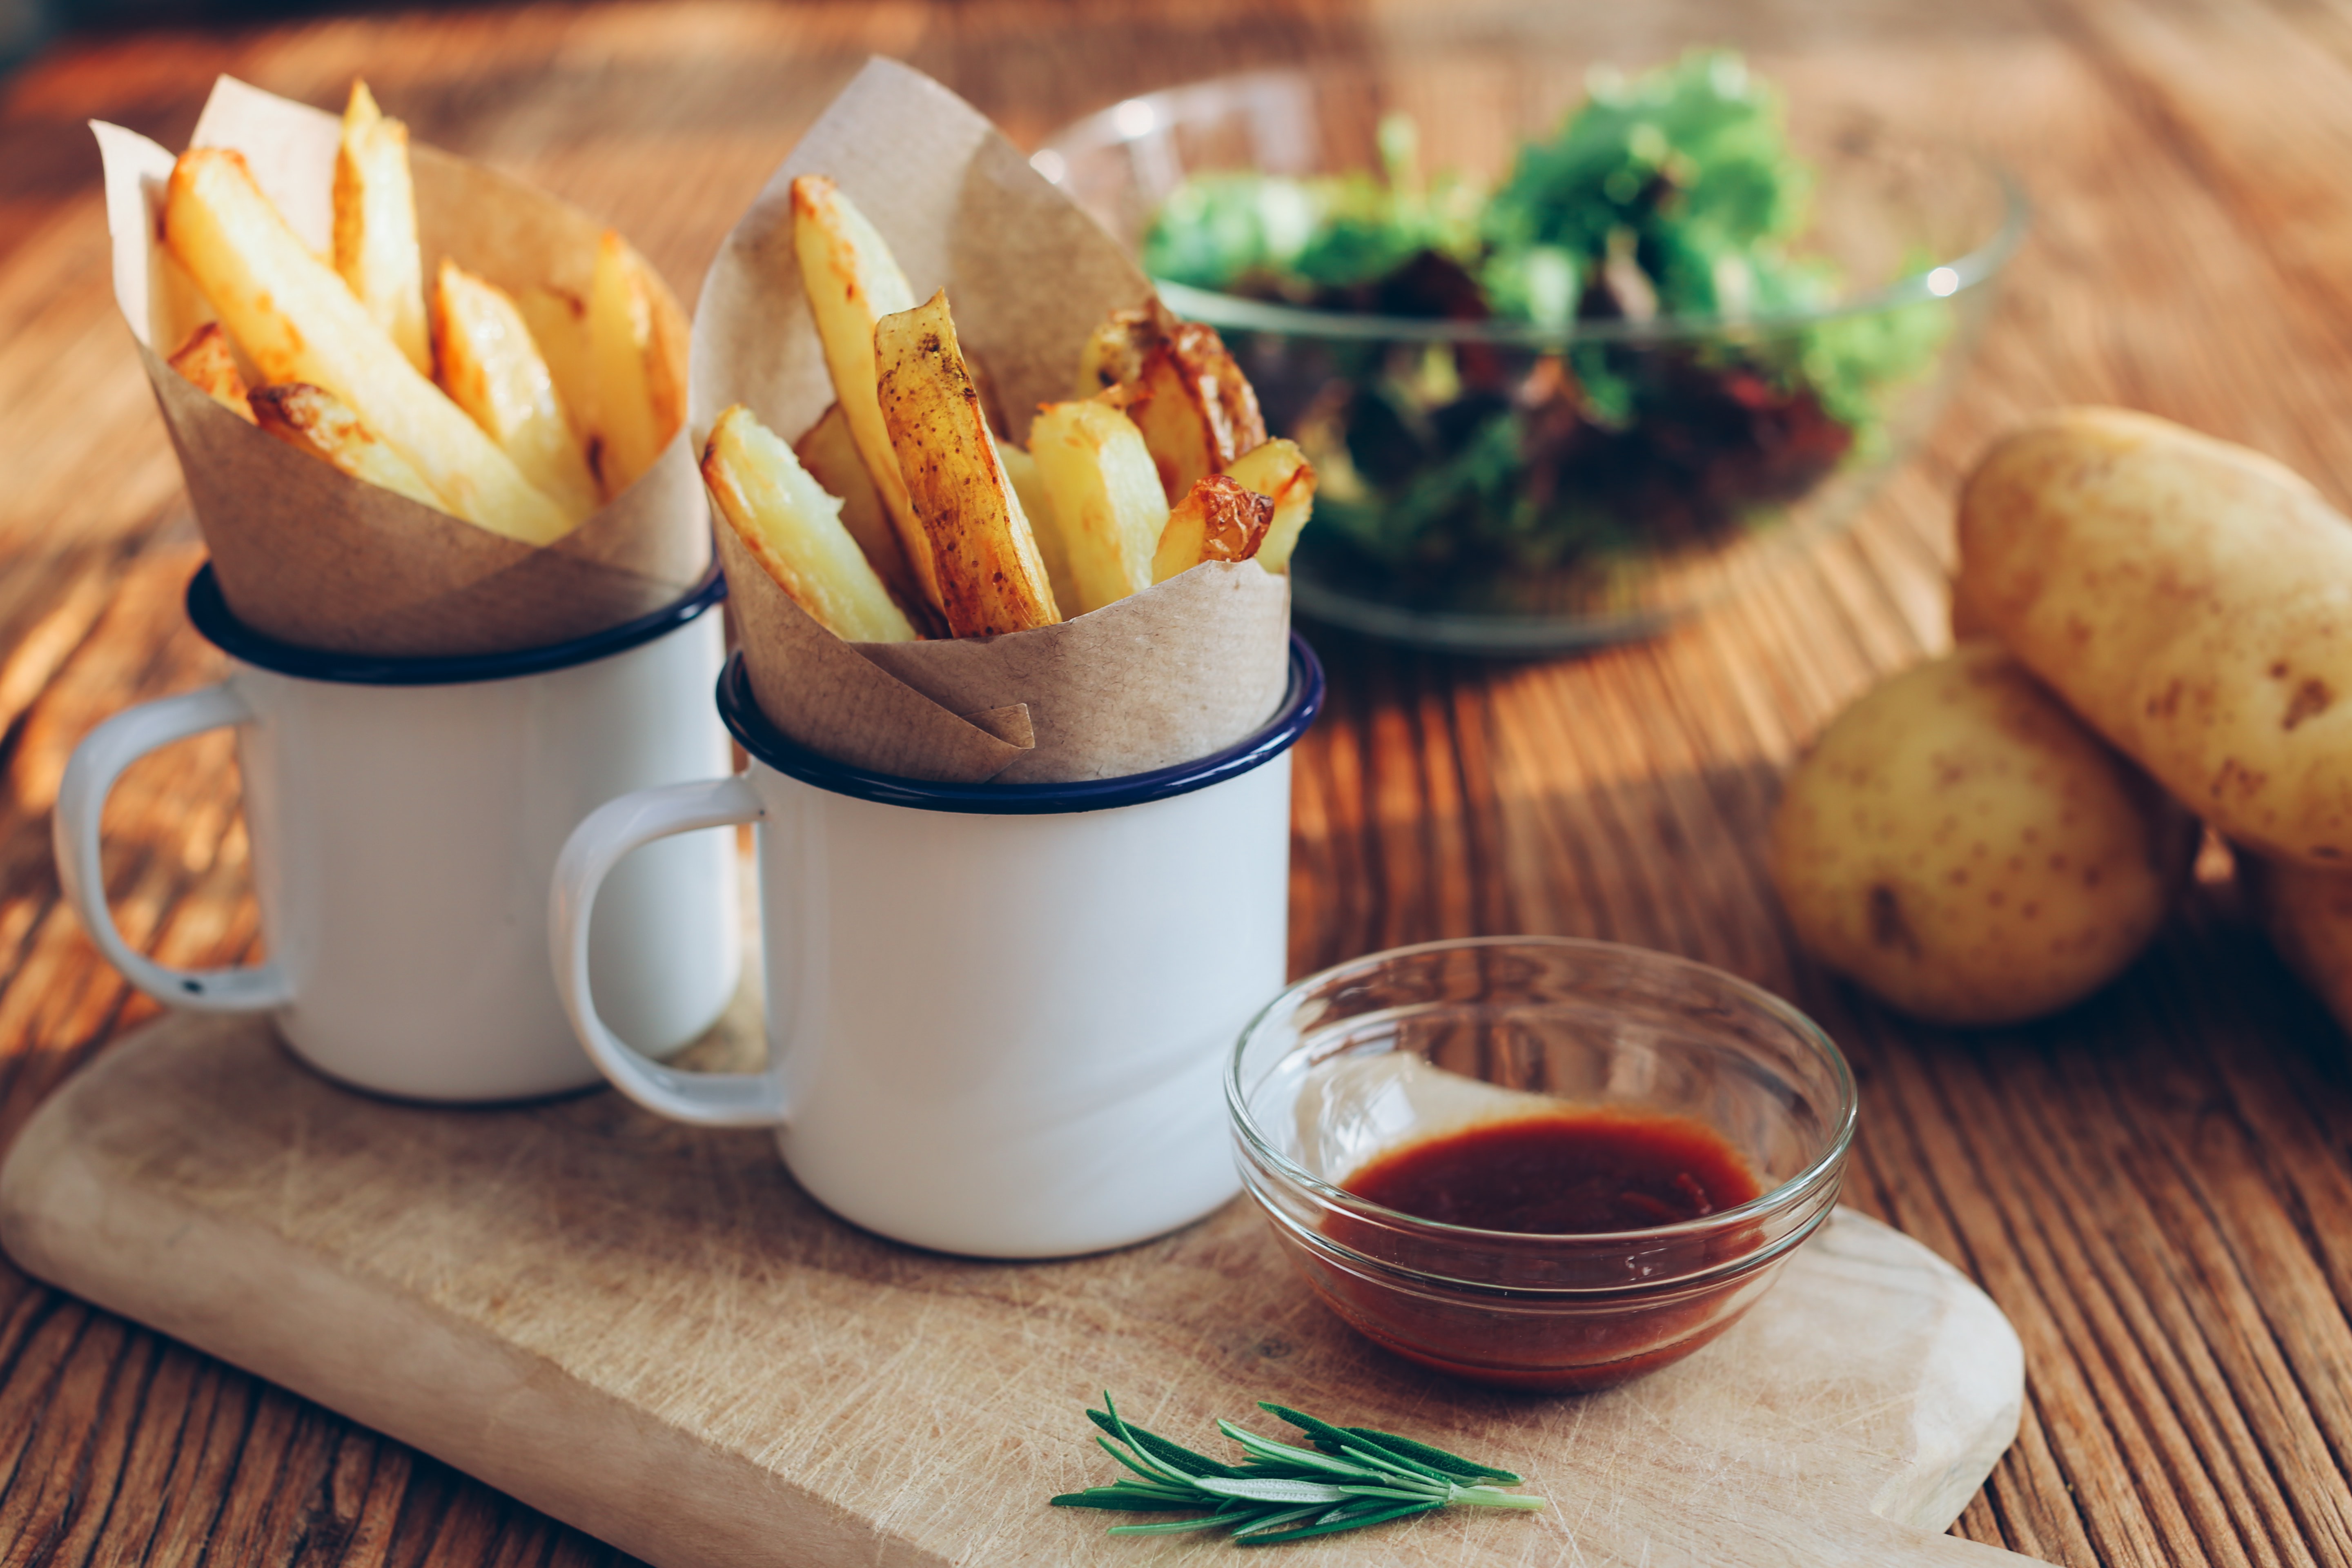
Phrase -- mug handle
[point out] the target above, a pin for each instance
(595, 847)
(90, 777)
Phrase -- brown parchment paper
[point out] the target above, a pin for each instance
(1179, 671)
(310, 556)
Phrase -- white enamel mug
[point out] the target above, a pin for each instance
(405, 815)
(996, 1014)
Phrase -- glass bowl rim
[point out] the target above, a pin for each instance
(1538, 1299)
(1823, 1167)
(1235, 312)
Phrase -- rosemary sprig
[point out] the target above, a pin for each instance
(1350, 1478)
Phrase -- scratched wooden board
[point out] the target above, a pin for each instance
(653, 1334)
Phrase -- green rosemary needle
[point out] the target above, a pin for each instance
(1351, 1476)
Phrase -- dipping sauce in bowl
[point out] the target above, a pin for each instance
(1566, 1173)
(1538, 1162)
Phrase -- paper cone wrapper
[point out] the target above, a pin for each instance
(305, 554)
(1177, 672)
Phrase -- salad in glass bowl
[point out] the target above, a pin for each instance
(1673, 333)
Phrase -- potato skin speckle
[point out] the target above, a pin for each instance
(2190, 599)
(2069, 861)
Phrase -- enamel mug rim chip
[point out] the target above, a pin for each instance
(1302, 701)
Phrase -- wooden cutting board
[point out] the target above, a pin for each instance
(650, 1333)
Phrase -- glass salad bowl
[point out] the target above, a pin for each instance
(1523, 444)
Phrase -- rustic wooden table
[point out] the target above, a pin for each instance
(2157, 1186)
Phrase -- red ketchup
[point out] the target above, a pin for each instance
(1565, 1174)
(1577, 1173)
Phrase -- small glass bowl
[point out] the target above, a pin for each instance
(1388, 1051)
(1453, 527)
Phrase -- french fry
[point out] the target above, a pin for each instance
(296, 322)
(793, 528)
(1106, 510)
(1029, 490)
(1177, 381)
(830, 455)
(559, 325)
(208, 365)
(984, 559)
(1114, 353)
(321, 424)
(491, 368)
(853, 281)
(1218, 519)
(176, 308)
(1195, 408)
(375, 225)
(1279, 471)
(640, 378)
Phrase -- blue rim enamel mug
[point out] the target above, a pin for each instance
(996, 1014)
(405, 815)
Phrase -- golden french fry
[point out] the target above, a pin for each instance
(1029, 490)
(830, 455)
(1113, 356)
(1107, 512)
(1196, 409)
(992, 407)
(320, 423)
(176, 308)
(559, 325)
(793, 528)
(208, 365)
(1218, 519)
(984, 559)
(375, 225)
(640, 380)
(491, 368)
(853, 281)
(297, 323)
(1278, 470)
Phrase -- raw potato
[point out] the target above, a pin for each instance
(2308, 913)
(1961, 846)
(2192, 600)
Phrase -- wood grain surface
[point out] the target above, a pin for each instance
(2157, 1186)
(653, 1334)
